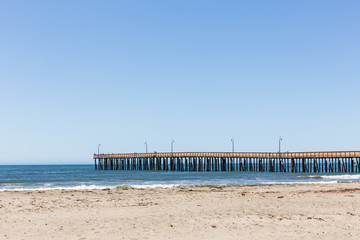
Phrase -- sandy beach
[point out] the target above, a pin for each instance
(248, 212)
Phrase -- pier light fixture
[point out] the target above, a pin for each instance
(280, 139)
(172, 145)
(99, 148)
(233, 144)
(146, 145)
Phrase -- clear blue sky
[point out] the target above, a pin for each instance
(77, 73)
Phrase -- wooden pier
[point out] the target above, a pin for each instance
(348, 162)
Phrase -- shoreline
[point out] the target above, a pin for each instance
(169, 186)
(319, 211)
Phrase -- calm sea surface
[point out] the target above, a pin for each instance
(31, 177)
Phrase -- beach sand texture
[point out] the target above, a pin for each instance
(248, 212)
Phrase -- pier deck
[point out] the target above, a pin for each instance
(345, 161)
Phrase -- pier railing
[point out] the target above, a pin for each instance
(334, 161)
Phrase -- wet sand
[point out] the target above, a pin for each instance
(249, 212)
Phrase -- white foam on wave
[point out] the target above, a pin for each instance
(342, 177)
(92, 187)
(143, 186)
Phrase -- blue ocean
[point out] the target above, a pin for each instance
(46, 177)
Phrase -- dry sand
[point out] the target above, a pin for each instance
(250, 212)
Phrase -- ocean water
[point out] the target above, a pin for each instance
(45, 177)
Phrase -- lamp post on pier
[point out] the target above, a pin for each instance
(99, 148)
(172, 145)
(146, 145)
(280, 139)
(233, 144)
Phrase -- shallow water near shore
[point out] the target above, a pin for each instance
(46, 177)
